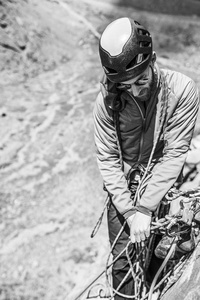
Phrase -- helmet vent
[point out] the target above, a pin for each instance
(145, 44)
(145, 57)
(132, 63)
(137, 23)
(109, 70)
(142, 31)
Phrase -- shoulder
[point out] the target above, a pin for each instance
(100, 104)
(100, 109)
(180, 84)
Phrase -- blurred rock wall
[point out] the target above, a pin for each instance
(173, 7)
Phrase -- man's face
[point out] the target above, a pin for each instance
(140, 86)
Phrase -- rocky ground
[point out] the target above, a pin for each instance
(50, 188)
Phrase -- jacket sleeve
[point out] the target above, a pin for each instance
(108, 159)
(177, 137)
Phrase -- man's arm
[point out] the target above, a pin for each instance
(178, 134)
(108, 158)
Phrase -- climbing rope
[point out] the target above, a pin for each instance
(139, 261)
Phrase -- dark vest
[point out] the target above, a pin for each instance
(136, 127)
(134, 124)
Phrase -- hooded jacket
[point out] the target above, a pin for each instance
(167, 125)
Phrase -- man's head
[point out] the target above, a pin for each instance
(140, 86)
(125, 50)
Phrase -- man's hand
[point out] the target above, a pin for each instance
(139, 225)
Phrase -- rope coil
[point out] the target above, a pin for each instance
(139, 262)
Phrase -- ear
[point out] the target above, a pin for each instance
(153, 59)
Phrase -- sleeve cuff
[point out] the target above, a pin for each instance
(129, 213)
(144, 210)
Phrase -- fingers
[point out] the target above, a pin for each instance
(147, 232)
(139, 237)
(142, 236)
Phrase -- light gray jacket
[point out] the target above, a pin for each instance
(178, 99)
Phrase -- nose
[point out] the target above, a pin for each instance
(136, 89)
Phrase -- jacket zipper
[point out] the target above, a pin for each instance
(143, 122)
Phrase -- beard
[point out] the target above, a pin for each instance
(144, 95)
